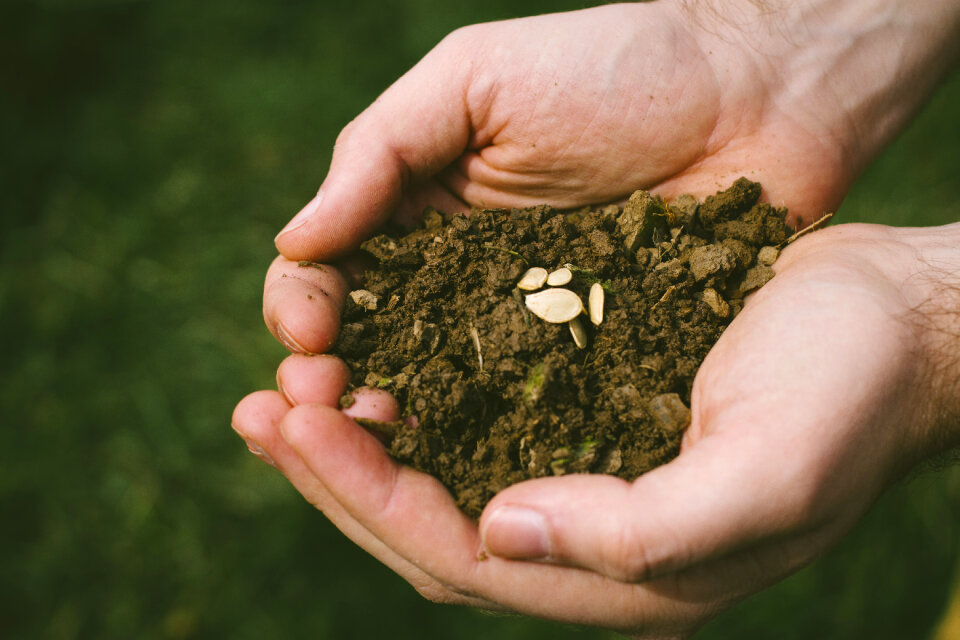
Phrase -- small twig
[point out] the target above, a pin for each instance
(667, 295)
(476, 343)
(819, 224)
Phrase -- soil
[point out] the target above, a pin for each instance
(500, 395)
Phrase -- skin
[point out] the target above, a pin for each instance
(837, 377)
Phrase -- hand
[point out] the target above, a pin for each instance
(816, 398)
(586, 107)
(694, 535)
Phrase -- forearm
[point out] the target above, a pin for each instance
(859, 68)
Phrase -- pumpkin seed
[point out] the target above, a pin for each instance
(559, 277)
(578, 332)
(554, 305)
(595, 302)
(533, 279)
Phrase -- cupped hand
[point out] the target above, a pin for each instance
(577, 108)
(568, 109)
(799, 412)
(812, 402)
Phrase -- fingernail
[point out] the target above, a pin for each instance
(288, 341)
(516, 533)
(283, 391)
(258, 451)
(301, 218)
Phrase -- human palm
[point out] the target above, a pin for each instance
(798, 412)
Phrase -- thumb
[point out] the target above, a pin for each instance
(710, 501)
(412, 131)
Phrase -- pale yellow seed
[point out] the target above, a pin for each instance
(560, 277)
(533, 279)
(595, 303)
(578, 332)
(554, 305)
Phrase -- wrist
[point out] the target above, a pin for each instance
(851, 73)
(932, 290)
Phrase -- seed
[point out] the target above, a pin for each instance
(578, 332)
(554, 305)
(595, 302)
(559, 277)
(533, 279)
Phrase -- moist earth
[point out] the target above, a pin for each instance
(490, 393)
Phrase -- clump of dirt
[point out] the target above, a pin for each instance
(500, 395)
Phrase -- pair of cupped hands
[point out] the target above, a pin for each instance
(824, 390)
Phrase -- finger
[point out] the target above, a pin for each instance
(715, 498)
(302, 303)
(415, 516)
(323, 379)
(417, 127)
(316, 379)
(337, 450)
(373, 404)
(256, 419)
(258, 409)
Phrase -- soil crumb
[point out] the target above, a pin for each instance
(499, 394)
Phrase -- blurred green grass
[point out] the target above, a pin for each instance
(150, 152)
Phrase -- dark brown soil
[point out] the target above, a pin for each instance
(500, 395)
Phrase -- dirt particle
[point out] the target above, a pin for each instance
(710, 261)
(768, 255)
(755, 278)
(669, 413)
(716, 302)
(642, 217)
(364, 299)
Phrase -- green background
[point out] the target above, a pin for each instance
(150, 152)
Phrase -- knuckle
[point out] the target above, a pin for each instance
(458, 37)
(626, 558)
(346, 134)
(638, 554)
